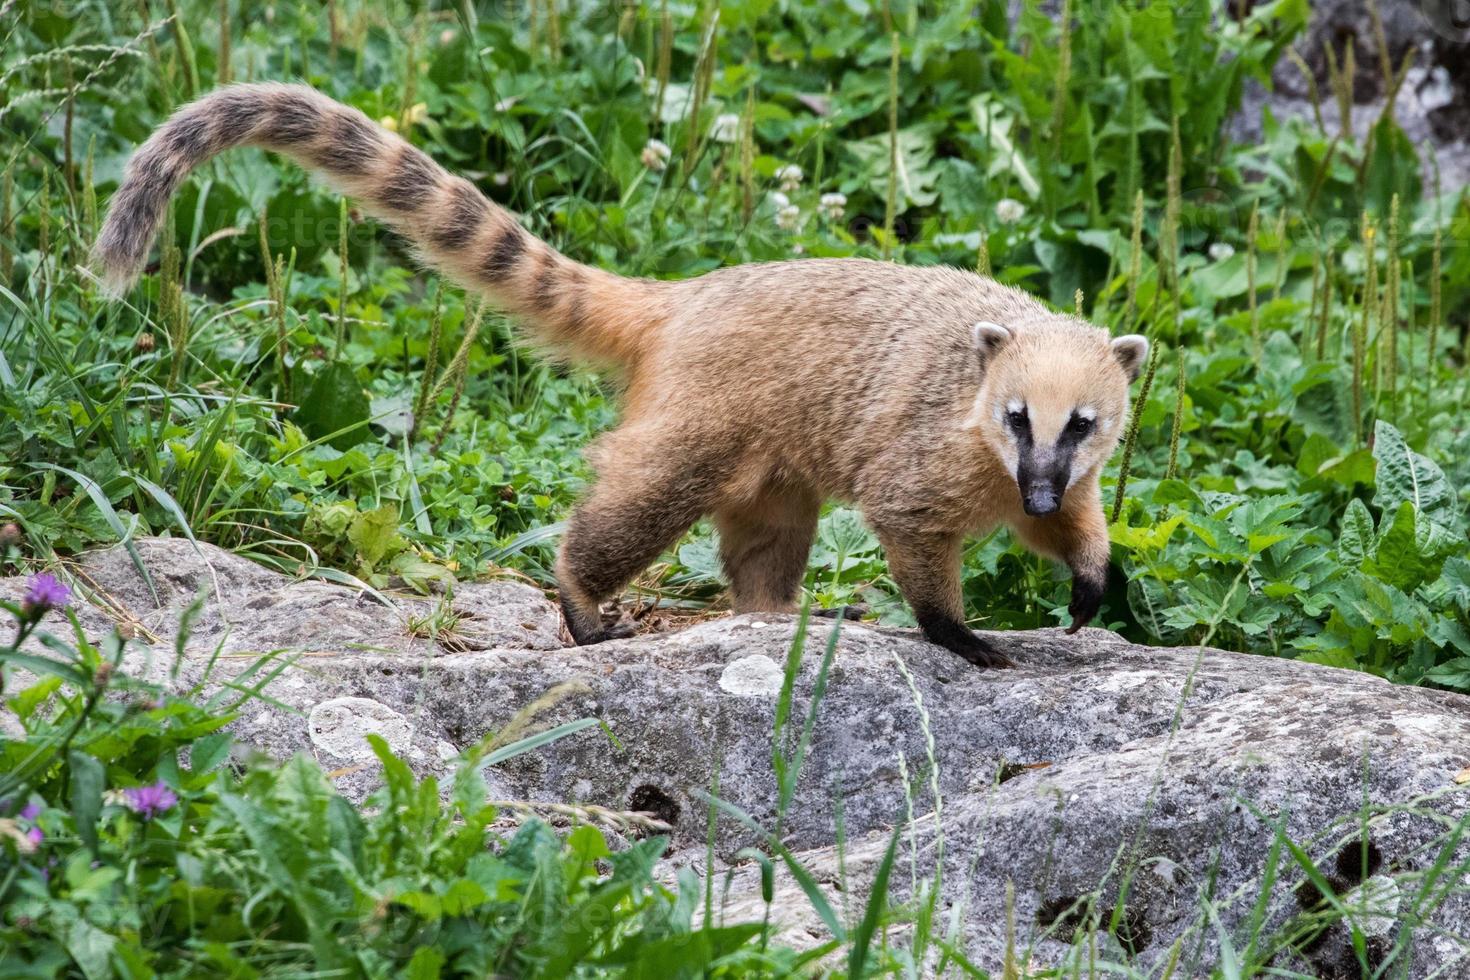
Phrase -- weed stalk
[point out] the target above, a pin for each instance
(1363, 325)
(431, 363)
(1178, 424)
(1135, 263)
(222, 69)
(455, 374)
(1252, 235)
(890, 209)
(1324, 316)
(7, 231)
(341, 338)
(1135, 421)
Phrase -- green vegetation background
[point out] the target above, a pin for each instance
(1293, 472)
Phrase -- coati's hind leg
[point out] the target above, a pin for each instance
(764, 548)
(926, 568)
(637, 509)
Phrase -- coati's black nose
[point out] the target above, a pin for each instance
(1038, 501)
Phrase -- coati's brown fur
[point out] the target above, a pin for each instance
(939, 401)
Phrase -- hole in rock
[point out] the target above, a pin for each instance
(649, 799)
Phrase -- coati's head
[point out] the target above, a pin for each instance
(1053, 401)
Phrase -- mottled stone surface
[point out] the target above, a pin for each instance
(1433, 104)
(1094, 760)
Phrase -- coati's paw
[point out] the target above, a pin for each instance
(982, 654)
(1087, 596)
(958, 638)
(589, 626)
(849, 614)
(618, 631)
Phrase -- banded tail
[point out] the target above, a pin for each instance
(573, 309)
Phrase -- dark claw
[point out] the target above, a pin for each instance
(958, 638)
(587, 630)
(848, 613)
(620, 631)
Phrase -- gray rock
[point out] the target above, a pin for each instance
(1432, 106)
(1094, 762)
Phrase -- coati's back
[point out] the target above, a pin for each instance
(829, 359)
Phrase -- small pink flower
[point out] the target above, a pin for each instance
(34, 834)
(44, 592)
(149, 801)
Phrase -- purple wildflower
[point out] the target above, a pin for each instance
(42, 593)
(149, 801)
(30, 812)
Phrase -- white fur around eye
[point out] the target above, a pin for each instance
(1088, 412)
(1015, 405)
(1106, 425)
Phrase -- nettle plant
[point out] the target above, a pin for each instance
(1388, 592)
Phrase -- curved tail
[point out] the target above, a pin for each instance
(575, 310)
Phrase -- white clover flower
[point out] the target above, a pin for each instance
(501, 178)
(656, 155)
(1220, 251)
(447, 36)
(726, 128)
(779, 200)
(1008, 211)
(831, 206)
(790, 177)
(788, 218)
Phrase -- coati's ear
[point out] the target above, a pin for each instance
(989, 338)
(1131, 351)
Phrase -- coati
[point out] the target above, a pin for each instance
(937, 400)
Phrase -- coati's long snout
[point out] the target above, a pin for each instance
(573, 310)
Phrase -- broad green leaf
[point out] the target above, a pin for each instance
(1454, 673)
(84, 794)
(375, 534)
(335, 408)
(426, 964)
(1406, 475)
(995, 124)
(1456, 579)
(916, 172)
(1397, 557)
(1355, 539)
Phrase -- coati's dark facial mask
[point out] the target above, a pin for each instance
(1044, 470)
(1052, 399)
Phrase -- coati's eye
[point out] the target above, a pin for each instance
(1079, 425)
(1017, 420)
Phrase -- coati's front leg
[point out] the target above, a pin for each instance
(1078, 536)
(927, 570)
